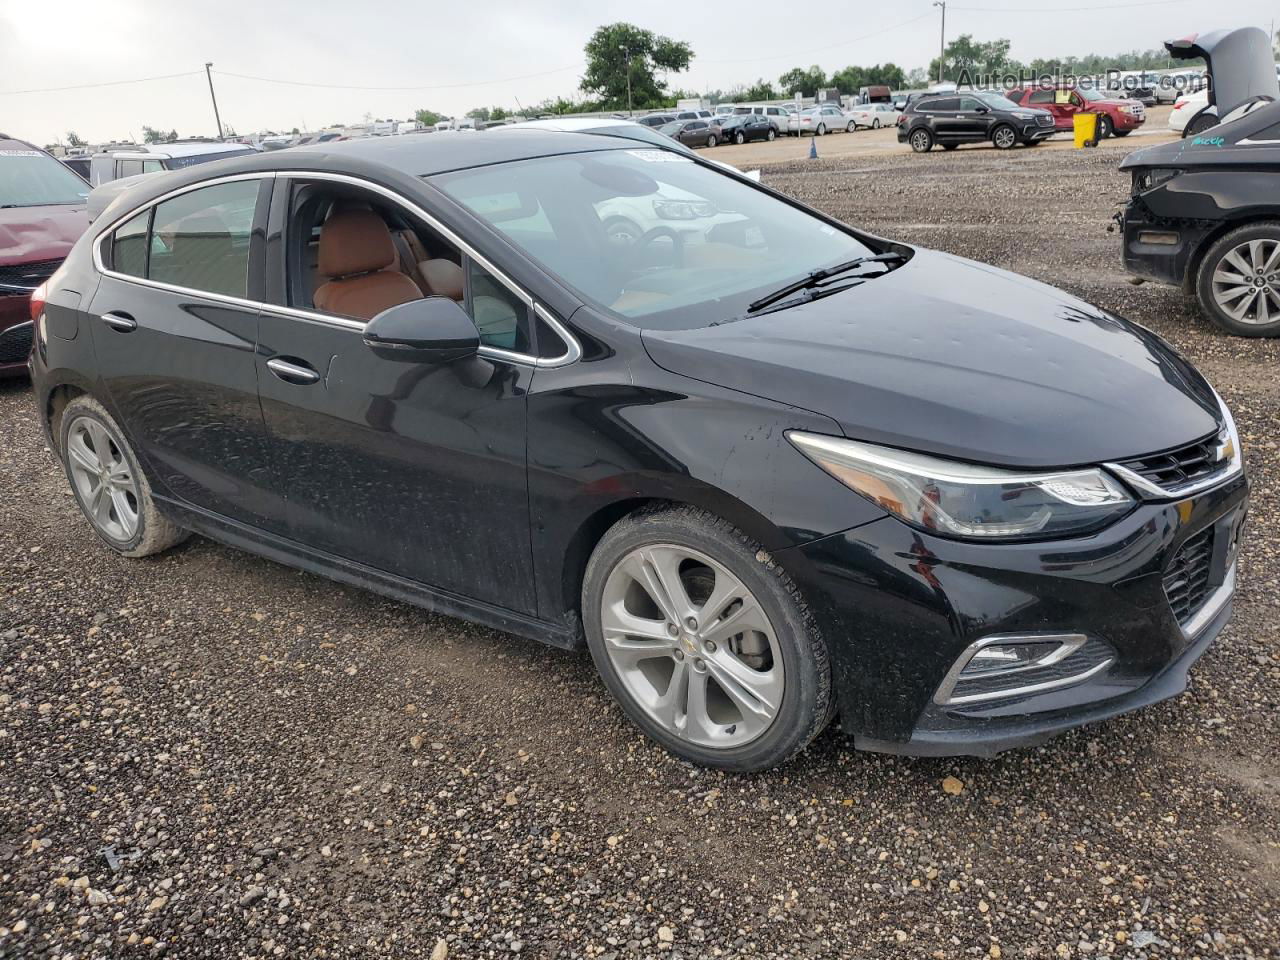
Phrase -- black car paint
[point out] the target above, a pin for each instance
(493, 515)
(1226, 177)
(979, 125)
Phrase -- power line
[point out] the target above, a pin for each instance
(422, 86)
(1038, 9)
(106, 83)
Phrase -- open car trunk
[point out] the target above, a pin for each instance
(1240, 62)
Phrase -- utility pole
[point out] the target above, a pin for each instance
(627, 51)
(217, 119)
(942, 46)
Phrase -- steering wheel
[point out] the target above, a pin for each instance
(657, 233)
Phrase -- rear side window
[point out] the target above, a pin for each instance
(199, 240)
(128, 168)
(941, 106)
(129, 246)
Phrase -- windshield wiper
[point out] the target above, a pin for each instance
(808, 295)
(815, 278)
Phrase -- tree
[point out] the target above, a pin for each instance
(151, 135)
(760, 90)
(73, 140)
(807, 82)
(965, 55)
(917, 78)
(172, 135)
(479, 113)
(622, 51)
(428, 118)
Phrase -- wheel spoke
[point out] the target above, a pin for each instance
(1238, 262)
(1273, 258)
(81, 455)
(1222, 275)
(100, 505)
(124, 512)
(697, 723)
(670, 707)
(1238, 312)
(664, 564)
(1263, 314)
(1226, 296)
(753, 691)
(747, 616)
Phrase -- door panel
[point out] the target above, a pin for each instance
(415, 469)
(183, 383)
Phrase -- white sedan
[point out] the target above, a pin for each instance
(1187, 108)
(873, 115)
(822, 119)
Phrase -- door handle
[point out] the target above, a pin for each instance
(290, 372)
(120, 321)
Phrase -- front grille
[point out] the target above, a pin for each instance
(1088, 658)
(27, 276)
(1192, 462)
(15, 344)
(1186, 583)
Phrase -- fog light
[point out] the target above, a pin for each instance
(1005, 667)
(1158, 238)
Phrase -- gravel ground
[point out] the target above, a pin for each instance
(289, 767)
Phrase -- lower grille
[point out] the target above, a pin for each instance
(1186, 583)
(15, 344)
(1086, 661)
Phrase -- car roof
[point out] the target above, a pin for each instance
(10, 144)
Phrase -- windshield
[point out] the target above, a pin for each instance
(177, 163)
(30, 178)
(996, 101)
(651, 235)
(1090, 94)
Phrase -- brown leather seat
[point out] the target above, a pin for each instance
(358, 257)
(443, 278)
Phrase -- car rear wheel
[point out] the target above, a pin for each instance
(1199, 125)
(921, 140)
(1004, 137)
(704, 641)
(711, 141)
(111, 490)
(1239, 281)
(875, 124)
(822, 130)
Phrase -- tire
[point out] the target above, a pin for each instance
(771, 135)
(712, 141)
(821, 131)
(1105, 127)
(875, 124)
(1252, 246)
(1199, 125)
(850, 127)
(739, 138)
(787, 662)
(1004, 137)
(921, 140)
(127, 520)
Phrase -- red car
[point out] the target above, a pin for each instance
(1118, 117)
(42, 213)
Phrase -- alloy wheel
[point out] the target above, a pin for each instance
(692, 645)
(1005, 138)
(1246, 282)
(875, 124)
(920, 141)
(103, 479)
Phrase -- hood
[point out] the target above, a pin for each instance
(1241, 142)
(961, 360)
(1241, 65)
(40, 233)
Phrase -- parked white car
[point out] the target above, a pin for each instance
(823, 119)
(1192, 110)
(873, 115)
(778, 116)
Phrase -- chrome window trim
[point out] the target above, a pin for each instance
(1070, 643)
(572, 354)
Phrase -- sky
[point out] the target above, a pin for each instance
(450, 57)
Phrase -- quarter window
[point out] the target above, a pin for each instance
(200, 240)
(129, 246)
(500, 316)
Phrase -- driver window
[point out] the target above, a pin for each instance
(968, 103)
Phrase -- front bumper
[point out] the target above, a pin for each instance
(900, 606)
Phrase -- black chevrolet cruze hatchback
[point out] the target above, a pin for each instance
(770, 469)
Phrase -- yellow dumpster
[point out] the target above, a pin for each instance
(1086, 129)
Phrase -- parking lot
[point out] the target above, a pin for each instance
(297, 768)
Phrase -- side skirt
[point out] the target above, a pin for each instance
(293, 554)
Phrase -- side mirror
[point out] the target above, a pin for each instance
(984, 110)
(434, 330)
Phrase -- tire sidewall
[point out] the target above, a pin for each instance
(1265, 230)
(806, 701)
(927, 143)
(82, 408)
(995, 137)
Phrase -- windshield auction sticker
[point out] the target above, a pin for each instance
(659, 156)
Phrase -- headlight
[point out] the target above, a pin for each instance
(1148, 179)
(683, 209)
(1021, 115)
(1125, 108)
(966, 500)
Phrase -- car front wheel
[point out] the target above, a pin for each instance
(739, 137)
(111, 490)
(704, 641)
(711, 141)
(921, 140)
(1004, 137)
(1105, 128)
(771, 134)
(1238, 285)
